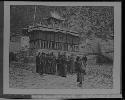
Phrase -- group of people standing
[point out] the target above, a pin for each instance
(45, 63)
(61, 65)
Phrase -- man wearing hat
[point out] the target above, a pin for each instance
(42, 63)
(38, 62)
(80, 70)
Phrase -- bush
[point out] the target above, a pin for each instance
(12, 57)
(25, 60)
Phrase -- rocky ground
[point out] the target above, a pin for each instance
(97, 77)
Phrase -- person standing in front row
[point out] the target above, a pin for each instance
(53, 64)
(58, 63)
(71, 64)
(63, 65)
(68, 65)
(84, 60)
(38, 63)
(80, 70)
(47, 64)
(41, 63)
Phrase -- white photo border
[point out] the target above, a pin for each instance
(117, 50)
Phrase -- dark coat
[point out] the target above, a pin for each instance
(37, 60)
(79, 67)
(42, 64)
(37, 63)
(63, 66)
(58, 62)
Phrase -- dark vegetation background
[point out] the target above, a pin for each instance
(84, 19)
(88, 21)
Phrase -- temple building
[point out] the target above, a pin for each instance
(50, 35)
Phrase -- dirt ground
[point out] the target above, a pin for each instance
(97, 77)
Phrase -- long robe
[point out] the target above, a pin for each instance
(68, 66)
(47, 66)
(71, 62)
(42, 64)
(37, 64)
(58, 62)
(53, 65)
(63, 66)
(80, 69)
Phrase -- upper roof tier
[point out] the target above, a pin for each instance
(49, 25)
(46, 28)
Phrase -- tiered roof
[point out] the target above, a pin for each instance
(46, 28)
(54, 17)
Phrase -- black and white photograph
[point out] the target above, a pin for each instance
(62, 47)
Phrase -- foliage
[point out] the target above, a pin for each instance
(98, 20)
(12, 57)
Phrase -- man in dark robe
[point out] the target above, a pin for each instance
(68, 65)
(37, 62)
(71, 62)
(53, 65)
(42, 63)
(47, 64)
(84, 60)
(80, 70)
(58, 62)
(63, 65)
(45, 61)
